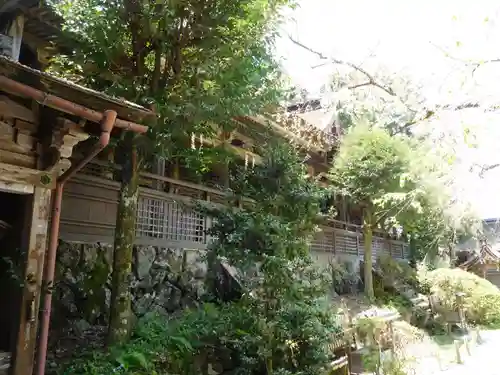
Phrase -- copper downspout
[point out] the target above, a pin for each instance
(108, 122)
(64, 105)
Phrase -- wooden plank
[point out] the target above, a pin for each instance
(181, 183)
(11, 154)
(12, 109)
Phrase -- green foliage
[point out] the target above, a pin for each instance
(196, 62)
(396, 271)
(144, 354)
(282, 322)
(394, 366)
(481, 298)
(371, 361)
(388, 365)
(345, 279)
(402, 185)
(371, 166)
(396, 302)
(283, 291)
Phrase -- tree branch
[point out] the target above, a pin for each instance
(405, 203)
(155, 79)
(371, 79)
(367, 83)
(486, 168)
(132, 17)
(474, 64)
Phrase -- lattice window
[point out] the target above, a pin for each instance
(169, 220)
(150, 218)
(185, 224)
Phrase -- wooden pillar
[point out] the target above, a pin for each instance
(35, 243)
(334, 243)
(175, 175)
(225, 138)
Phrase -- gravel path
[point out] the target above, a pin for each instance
(483, 357)
(481, 361)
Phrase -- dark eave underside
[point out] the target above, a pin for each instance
(75, 93)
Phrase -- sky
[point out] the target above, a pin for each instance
(430, 41)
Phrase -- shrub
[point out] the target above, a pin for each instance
(283, 291)
(481, 298)
(345, 279)
(393, 270)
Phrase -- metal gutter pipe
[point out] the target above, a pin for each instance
(63, 105)
(108, 122)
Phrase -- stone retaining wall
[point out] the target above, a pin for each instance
(163, 280)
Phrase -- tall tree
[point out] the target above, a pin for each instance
(371, 169)
(196, 63)
(401, 183)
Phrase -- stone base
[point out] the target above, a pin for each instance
(163, 280)
(4, 363)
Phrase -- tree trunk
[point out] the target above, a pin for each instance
(120, 318)
(368, 264)
(451, 249)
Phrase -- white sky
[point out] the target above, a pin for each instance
(402, 36)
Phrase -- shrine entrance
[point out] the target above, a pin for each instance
(13, 210)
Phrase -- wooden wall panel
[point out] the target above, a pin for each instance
(89, 215)
(89, 210)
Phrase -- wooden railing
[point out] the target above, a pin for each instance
(340, 241)
(165, 218)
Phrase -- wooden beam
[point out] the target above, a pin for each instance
(15, 174)
(13, 187)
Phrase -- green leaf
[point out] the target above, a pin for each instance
(134, 360)
(182, 343)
